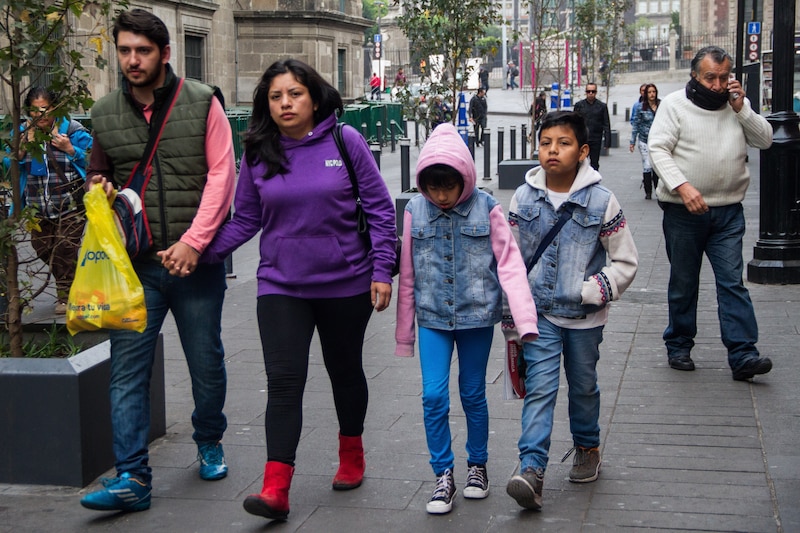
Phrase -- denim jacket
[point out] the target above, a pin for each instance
(451, 246)
(575, 254)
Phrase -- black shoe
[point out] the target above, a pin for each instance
(757, 365)
(682, 362)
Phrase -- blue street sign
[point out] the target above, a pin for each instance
(376, 38)
(753, 28)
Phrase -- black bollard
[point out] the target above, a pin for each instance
(487, 153)
(392, 134)
(229, 267)
(364, 130)
(500, 149)
(614, 106)
(512, 141)
(376, 153)
(471, 145)
(405, 164)
(524, 141)
(627, 114)
(379, 133)
(405, 126)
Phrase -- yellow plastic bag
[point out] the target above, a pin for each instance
(106, 292)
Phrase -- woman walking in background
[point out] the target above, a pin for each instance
(641, 129)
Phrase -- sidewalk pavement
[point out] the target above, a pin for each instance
(682, 451)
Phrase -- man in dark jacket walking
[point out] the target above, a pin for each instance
(595, 113)
(478, 109)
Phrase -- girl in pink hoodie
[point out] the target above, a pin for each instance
(458, 258)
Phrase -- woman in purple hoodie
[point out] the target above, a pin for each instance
(316, 270)
(458, 257)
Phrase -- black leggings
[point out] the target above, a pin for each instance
(287, 325)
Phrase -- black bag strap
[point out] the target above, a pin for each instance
(157, 123)
(566, 214)
(339, 139)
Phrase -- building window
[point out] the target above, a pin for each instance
(194, 56)
(341, 86)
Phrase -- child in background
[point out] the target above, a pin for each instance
(589, 263)
(458, 256)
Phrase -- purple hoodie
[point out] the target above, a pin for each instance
(445, 146)
(309, 244)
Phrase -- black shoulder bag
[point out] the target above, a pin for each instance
(361, 217)
(566, 214)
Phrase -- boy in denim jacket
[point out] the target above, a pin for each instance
(589, 263)
(458, 257)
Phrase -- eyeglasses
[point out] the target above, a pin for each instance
(591, 92)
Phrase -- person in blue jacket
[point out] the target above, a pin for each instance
(51, 181)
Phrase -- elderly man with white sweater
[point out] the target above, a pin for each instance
(698, 147)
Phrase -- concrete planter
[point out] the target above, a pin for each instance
(55, 422)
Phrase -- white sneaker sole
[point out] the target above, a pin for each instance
(476, 493)
(440, 507)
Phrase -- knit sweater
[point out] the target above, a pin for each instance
(705, 148)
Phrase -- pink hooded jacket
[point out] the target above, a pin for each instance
(445, 146)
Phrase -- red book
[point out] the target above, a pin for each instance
(515, 365)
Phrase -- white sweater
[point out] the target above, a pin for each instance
(705, 148)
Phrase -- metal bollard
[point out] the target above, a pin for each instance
(512, 141)
(364, 130)
(487, 153)
(614, 105)
(471, 145)
(500, 150)
(524, 141)
(376, 153)
(405, 164)
(392, 134)
(627, 114)
(379, 133)
(405, 126)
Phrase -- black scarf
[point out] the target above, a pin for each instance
(703, 97)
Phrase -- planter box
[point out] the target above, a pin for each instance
(511, 172)
(55, 417)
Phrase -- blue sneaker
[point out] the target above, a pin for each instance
(212, 461)
(123, 493)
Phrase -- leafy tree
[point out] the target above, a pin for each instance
(371, 10)
(601, 24)
(43, 43)
(452, 29)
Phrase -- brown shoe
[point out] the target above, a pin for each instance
(60, 308)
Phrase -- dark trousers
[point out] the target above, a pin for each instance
(594, 153)
(57, 244)
(287, 325)
(478, 125)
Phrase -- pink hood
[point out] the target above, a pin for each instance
(446, 147)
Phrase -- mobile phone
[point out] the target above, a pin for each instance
(732, 96)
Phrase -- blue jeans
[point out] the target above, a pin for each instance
(435, 353)
(196, 305)
(717, 233)
(581, 349)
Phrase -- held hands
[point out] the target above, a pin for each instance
(180, 259)
(381, 294)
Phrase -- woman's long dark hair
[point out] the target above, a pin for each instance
(263, 138)
(646, 101)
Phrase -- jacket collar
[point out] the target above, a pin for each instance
(461, 209)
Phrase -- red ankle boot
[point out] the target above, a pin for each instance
(273, 502)
(351, 463)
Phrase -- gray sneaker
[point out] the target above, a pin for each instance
(526, 488)
(585, 465)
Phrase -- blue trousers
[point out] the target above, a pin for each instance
(435, 353)
(196, 304)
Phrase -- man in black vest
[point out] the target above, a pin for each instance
(595, 113)
(186, 200)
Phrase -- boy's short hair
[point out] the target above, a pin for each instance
(439, 175)
(570, 119)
